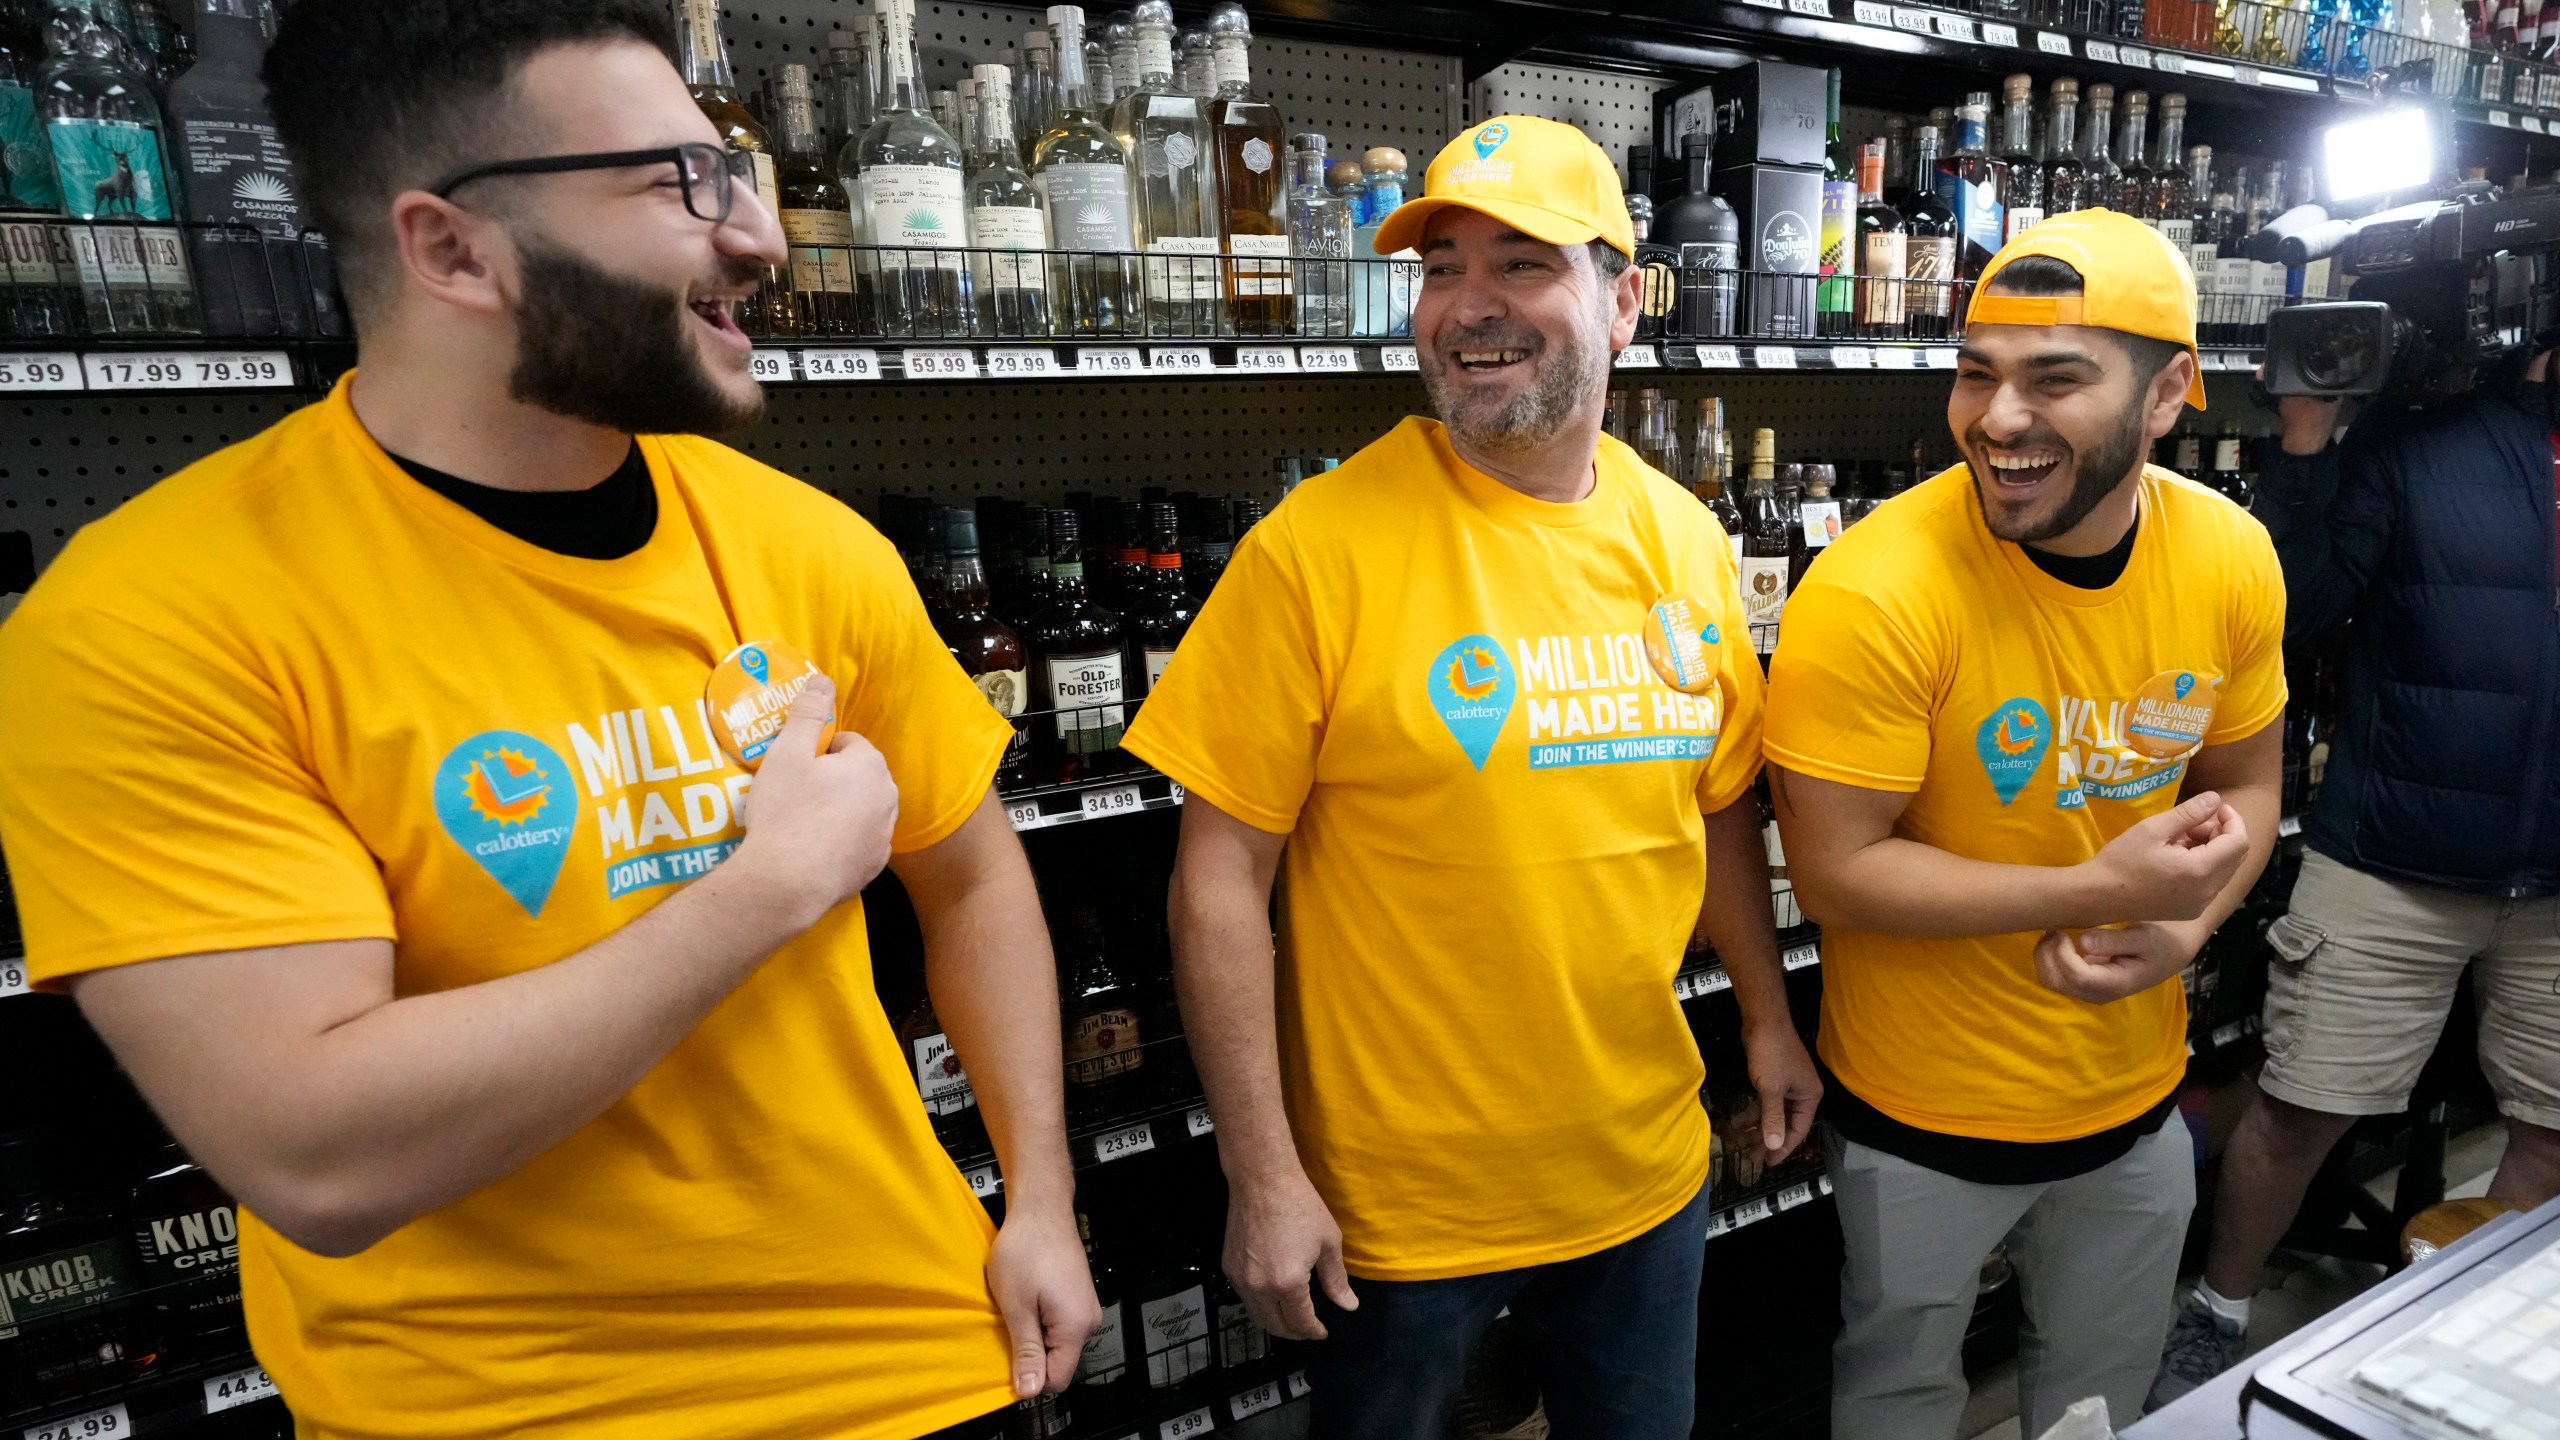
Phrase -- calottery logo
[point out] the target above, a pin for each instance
(1471, 689)
(2012, 742)
(1490, 138)
(492, 792)
(1484, 167)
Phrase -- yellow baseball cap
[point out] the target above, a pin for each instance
(2131, 280)
(1540, 177)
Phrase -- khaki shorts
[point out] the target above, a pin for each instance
(2363, 976)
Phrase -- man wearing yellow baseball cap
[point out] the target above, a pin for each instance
(1486, 691)
(2024, 741)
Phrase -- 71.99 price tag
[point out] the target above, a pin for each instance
(1108, 360)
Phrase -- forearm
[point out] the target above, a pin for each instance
(1736, 917)
(1896, 886)
(1225, 974)
(994, 983)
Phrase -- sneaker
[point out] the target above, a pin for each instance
(2201, 1346)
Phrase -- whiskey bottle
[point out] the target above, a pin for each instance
(1173, 1317)
(1241, 1341)
(2167, 198)
(1102, 1376)
(247, 244)
(989, 650)
(1083, 173)
(941, 1083)
(186, 1242)
(1165, 611)
(1006, 220)
(2066, 181)
(26, 162)
(1766, 545)
(2021, 174)
(69, 1269)
(106, 138)
(817, 219)
(1883, 252)
(1103, 1045)
(1250, 147)
(913, 192)
(1175, 203)
(2225, 476)
(1701, 227)
(1819, 516)
(1972, 183)
(1083, 674)
(1929, 294)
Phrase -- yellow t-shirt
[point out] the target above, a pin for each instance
(1436, 687)
(292, 695)
(2031, 722)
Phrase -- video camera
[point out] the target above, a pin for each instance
(2443, 286)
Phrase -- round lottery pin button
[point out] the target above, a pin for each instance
(750, 693)
(2170, 713)
(1677, 644)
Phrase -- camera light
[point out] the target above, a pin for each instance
(2395, 150)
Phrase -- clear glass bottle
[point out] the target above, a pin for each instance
(2099, 175)
(1007, 222)
(1035, 89)
(1383, 288)
(105, 132)
(914, 206)
(1250, 184)
(2066, 185)
(817, 218)
(844, 86)
(714, 85)
(2133, 156)
(1120, 49)
(1083, 174)
(42, 293)
(26, 162)
(1657, 434)
(1195, 65)
(2021, 173)
(1175, 188)
(2165, 197)
(1320, 238)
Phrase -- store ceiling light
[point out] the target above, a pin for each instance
(2395, 150)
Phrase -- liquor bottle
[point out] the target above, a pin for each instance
(2225, 476)
(1250, 148)
(1657, 436)
(2099, 175)
(1383, 291)
(2203, 236)
(69, 1266)
(1104, 1046)
(1858, 498)
(1766, 545)
(1790, 488)
(1819, 516)
(2127, 18)
(1083, 673)
(2168, 199)
(817, 219)
(26, 162)
(1835, 297)
(950, 109)
(1035, 89)
(1175, 201)
(844, 85)
(1897, 161)
(2021, 173)
(989, 650)
(1701, 227)
(1195, 65)
(2133, 179)
(1320, 237)
(1084, 175)
(1102, 1375)
(186, 1242)
(1712, 445)
(1929, 301)
(1120, 46)
(1613, 416)
(1035, 589)
(105, 132)
(1007, 223)
(913, 192)
(249, 257)
(715, 89)
(1173, 1317)
(941, 1083)
(1241, 1342)
(1702, 448)
(1126, 587)
(2065, 182)
(1166, 608)
(1972, 185)
(2186, 455)
(1883, 251)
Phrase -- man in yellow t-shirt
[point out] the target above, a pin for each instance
(359, 783)
(2023, 734)
(1489, 688)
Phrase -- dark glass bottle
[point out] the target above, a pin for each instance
(1083, 672)
(1172, 1303)
(1883, 252)
(1929, 295)
(70, 1276)
(1165, 610)
(1104, 1038)
(2226, 476)
(1972, 185)
(2133, 181)
(1835, 300)
(1767, 548)
(186, 1238)
(257, 275)
(2165, 196)
(989, 650)
(1701, 228)
(949, 1100)
(1103, 1379)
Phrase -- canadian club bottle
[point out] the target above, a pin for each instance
(986, 647)
(1767, 546)
(1102, 1377)
(1083, 672)
(1165, 611)
(1173, 1317)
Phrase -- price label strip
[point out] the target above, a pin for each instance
(1795, 1195)
(1896, 357)
(58, 370)
(770, 367)
(1852, 357)
(1639, 357)
(1818, 9)
(1266, 360)
(1025, 814)
(1751, 1212)
(2000, 35)
(1400, 358)
(1183, 1427)
(1956, 27)
(112, 1423)
(839, 365)
(2101, 51)
(984, 1181)
(2135, 57)
(940, 364)
(1110, 800)
(13, 977)
(1799, 956)
(1113, 1145)
(1915, 21)
(1868, 12)
(2052, 44)
(1773, 357)
(188, 370)
(1021, 364)
(240, 1387)
(1197, 1123)
(1109, 360)
(1328, 359)
(1720, 357)
(1179, 359)
(1265, 1396)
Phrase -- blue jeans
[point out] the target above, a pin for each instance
(1616, 1334)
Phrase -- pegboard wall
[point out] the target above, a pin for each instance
(1616, 111)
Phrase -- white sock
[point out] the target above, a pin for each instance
(2235, 1311)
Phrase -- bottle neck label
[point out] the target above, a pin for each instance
(1235, 65)
(1155, 55)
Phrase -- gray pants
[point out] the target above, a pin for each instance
(2097, 1260)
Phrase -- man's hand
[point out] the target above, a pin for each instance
(819, 823)
(2304, 423)
(2173, 865)
(2104, 966)
(1279, 1234)
(1786, 1090)
(1042, 1286)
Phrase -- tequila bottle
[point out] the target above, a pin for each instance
(1175, 199)
(1120, 49)
(1035, 89)
(844, 85)
(913, 185)
(817, 219)
(1249, 148)
(2066, 186)
(250, 248)
(1006, 218)
(1320, 237)
(1195, 64)
(105, 133)
(1083, 174)
(1930, 247)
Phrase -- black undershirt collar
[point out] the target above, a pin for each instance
(2088, 572)
(606, 521)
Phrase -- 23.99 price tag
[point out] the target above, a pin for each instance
(1113, 1145)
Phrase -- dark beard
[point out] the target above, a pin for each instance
(2094, 476)
(598, 347)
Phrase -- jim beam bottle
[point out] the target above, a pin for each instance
(1103, 1036)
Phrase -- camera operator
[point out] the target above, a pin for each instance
(2435, 842)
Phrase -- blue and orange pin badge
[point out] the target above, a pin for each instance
(2170, 713)
(1680, 644)
(750, 693)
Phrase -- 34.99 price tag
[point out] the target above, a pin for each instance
(112, 1423)
(1110, 800)
(839, 365)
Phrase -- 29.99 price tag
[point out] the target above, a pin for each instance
(187, 370)
(240, 1387)
(770, 367)
(940, 365)
(1019, 364)
(51, 371)
(112, 1423)
(839, 365)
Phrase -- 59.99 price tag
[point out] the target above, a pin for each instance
(940, 365)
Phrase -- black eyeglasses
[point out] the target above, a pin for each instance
(707, 172)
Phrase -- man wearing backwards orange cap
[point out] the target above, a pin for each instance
(2022, 725)
(1490, 686)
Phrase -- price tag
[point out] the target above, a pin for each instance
(13, 977)
(1113, 1145)
(1175, 792)
(1265, 1396)
(111, 1423)
(1795, 1195)
(1767, 4)
(1685, 987)
(1110, 800)
(1720, 357)
(1328, 359)
(839, 365)
(1799, 956)
(941, 365)
(240, 1387)
(2169, 62)
(2135, 56)
(1942, 359)
(1751, 1212)
(1852, 357)
(1111, 360)
(1956, 27)
(1773, 357)
(188, 370)
(2502, 119)
(1718, 1223)
(2225, 1034)
(1299, 1389)
(2289, 826)
(1025, 814)
(2101, 51)
(1266, 360)
(1868, 12)
(1183, 1427)
(2244, 75)
(2213, 68)
(2053, 44)
(1999, 34)
(59, 371)
(2532, 124)
(1399, 357)
(1915, 21)
(1825, 1184)
(1639, 357)
(1714, 980)
(770, 367)
(1896, 357)
(1016, 364)
(984, 1181)
(1198, 1122)
(1818, 9)
(1180, 359)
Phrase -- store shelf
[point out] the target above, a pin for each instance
(153, 1407)
(1769, 1202)
(169, 366)
(1098, 799)
(1710, 979)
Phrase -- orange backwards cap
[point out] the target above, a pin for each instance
(1542, 178)
(2131, 279)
